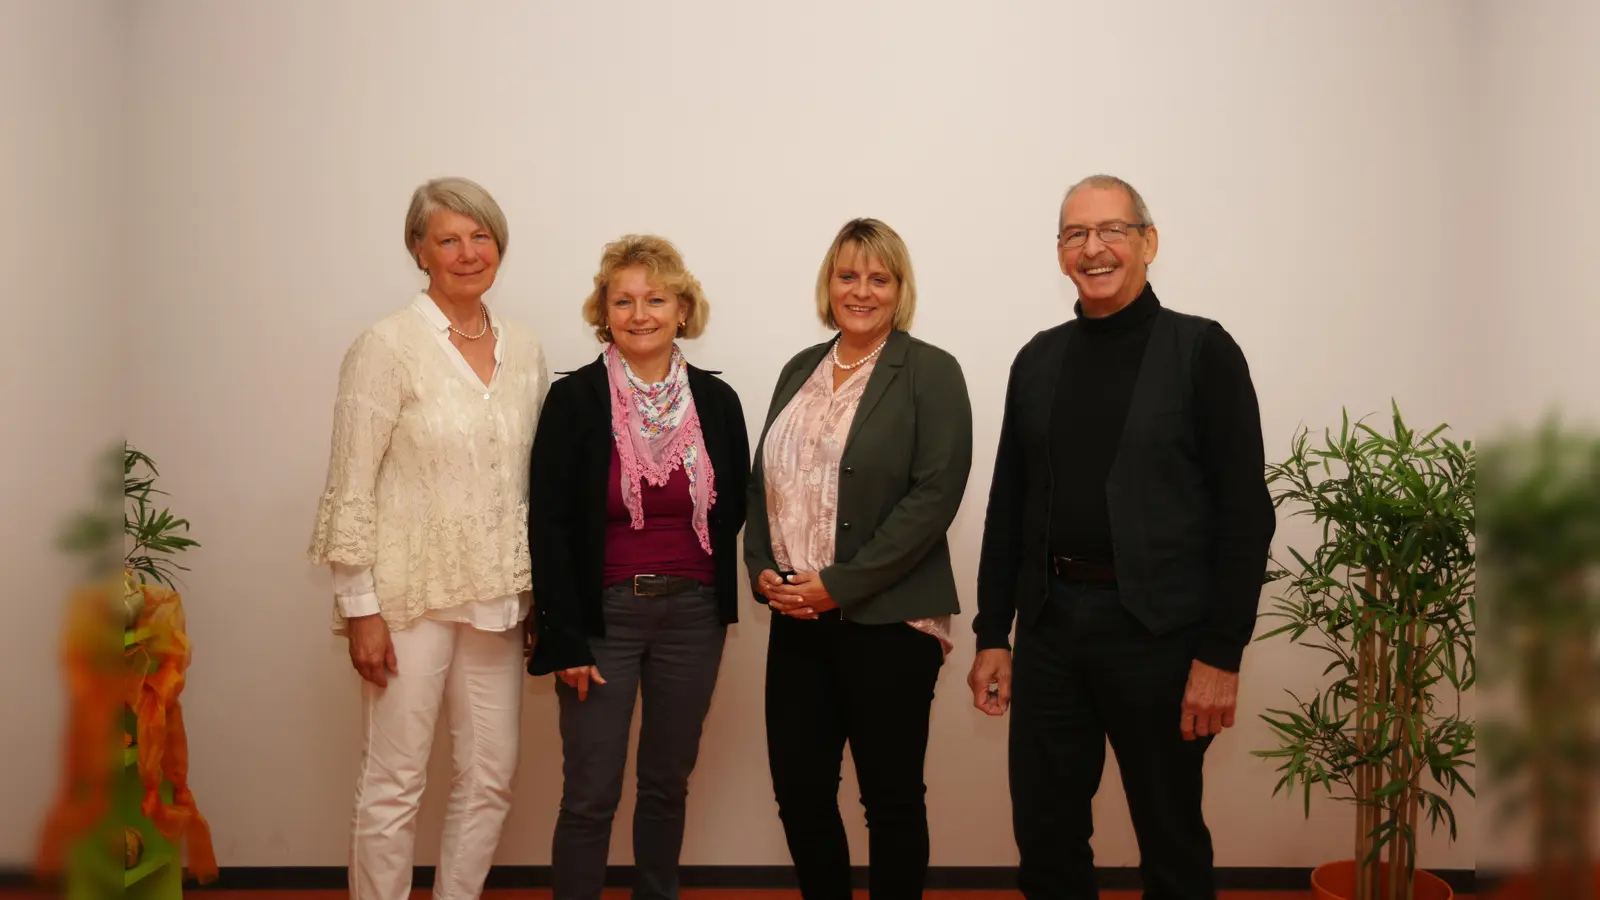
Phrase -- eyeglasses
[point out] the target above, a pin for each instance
(1110, 233)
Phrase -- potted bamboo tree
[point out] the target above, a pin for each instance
(123, 825)
(1540, 539)
(1389, 595)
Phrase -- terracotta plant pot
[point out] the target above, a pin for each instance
(1337, 881)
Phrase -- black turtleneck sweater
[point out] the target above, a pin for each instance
(1099, 368)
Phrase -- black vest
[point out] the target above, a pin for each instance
(1156, 494)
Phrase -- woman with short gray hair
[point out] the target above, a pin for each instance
(423, 522)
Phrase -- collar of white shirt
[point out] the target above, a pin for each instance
(435, 317)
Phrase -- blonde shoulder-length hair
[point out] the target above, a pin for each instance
(882, 243)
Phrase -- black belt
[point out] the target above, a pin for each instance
(1083, 571)
(662, 585)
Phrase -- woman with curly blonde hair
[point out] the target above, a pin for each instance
(637, 495)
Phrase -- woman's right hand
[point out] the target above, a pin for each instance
(579, 678)
(788, 604)
(371, 649)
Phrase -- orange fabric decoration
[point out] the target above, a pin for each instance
(163, 743)
(91, 662)
(148, 677)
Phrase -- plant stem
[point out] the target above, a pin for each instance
(1358, 778)
(1399, 767)
(1366, 806)
(1414, 708)
(1384, 657)
(1580, 663)
(1564, 787)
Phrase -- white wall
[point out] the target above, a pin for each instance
(1304, 162)
(62, 254)
(1537, 218)
(1534, 231)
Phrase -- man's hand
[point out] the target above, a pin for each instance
(1209, 700)
(803, 596)
(371, 649)
(579, 678)
(990, 680)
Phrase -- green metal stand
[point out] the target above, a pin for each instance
(98, 872)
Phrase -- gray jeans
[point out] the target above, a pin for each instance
(669, 650)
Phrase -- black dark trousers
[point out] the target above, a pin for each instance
(830, 681)
(1085, 671)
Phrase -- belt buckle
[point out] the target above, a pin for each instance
(636, 591)
(1068, 563)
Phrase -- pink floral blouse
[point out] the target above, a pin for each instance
(800, 465)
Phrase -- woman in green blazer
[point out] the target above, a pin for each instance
(858, 474)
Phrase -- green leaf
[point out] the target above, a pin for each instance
(154, 537)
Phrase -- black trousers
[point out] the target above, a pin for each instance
(1086, 671)
(830, 681)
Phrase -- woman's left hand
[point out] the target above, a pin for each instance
(807, 590)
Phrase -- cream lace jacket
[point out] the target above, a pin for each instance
(428, 473)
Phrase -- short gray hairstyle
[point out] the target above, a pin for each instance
(1106, 181)
(457, 195)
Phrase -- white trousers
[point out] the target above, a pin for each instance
(476, 676)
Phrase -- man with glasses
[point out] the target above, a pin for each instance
(1127, 533)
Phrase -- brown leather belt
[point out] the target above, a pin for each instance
(1083, 571)
(662, 585)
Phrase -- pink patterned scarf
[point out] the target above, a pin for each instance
(657, 428)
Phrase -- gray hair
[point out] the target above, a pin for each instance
(457, 195)
(1107, 181)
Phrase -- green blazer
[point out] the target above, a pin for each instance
(901, 479)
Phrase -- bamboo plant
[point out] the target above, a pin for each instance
(1389, 595)
(1540, 532)
(150, 536)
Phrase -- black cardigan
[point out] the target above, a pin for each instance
(570, 464)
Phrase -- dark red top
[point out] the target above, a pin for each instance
(667, 545)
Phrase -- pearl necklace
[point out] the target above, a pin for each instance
(860, 362)
(482, 331)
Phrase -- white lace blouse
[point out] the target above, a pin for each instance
(425, 507)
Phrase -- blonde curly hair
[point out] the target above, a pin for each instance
(657, 256)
